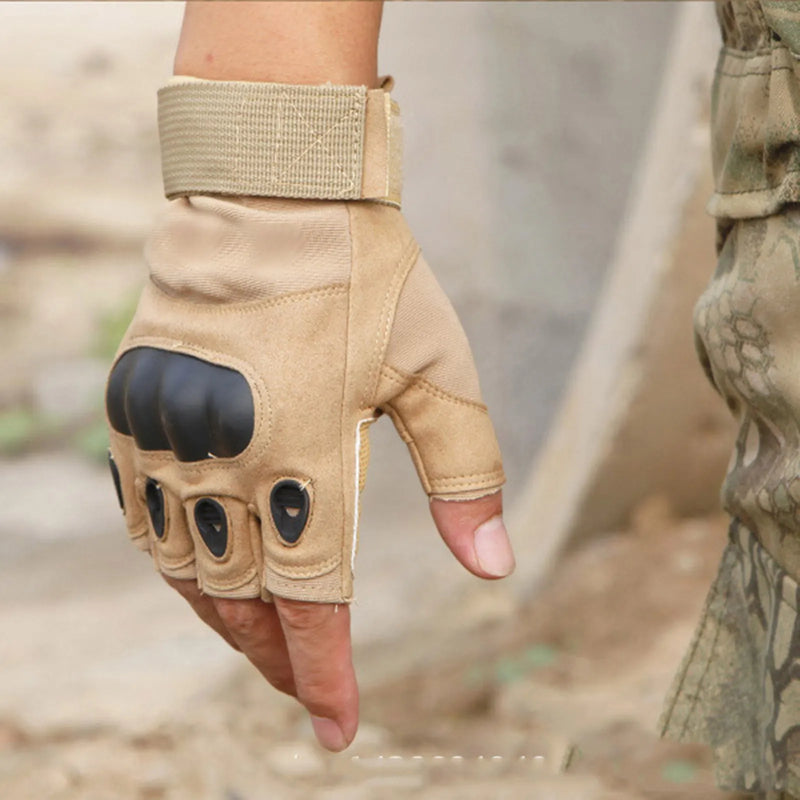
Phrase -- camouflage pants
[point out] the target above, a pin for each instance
(738, 688)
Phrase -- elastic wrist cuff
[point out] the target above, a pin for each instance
(279, 140)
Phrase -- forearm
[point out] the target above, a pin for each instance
(281, 42)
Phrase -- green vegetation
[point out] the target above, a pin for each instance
(679, 771)
(18, 427)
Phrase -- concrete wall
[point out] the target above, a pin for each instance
(524, 123)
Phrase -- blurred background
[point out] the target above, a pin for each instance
(555, 176)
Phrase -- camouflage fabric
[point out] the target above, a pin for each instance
(739, 686)
(754, 106)
(773, 796)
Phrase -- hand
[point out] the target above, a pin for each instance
(303, 649)
(271, 334)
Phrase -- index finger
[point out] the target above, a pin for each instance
(318, 641)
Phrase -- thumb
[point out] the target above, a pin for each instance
(475, 533)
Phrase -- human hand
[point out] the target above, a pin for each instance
(271, 334)
(303, 649)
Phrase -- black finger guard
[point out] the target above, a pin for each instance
(174, 401)
(155, 506)
(117, 482)
(289, 504)
(212, 524)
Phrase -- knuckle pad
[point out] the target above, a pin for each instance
(289, 505)
(173, 401)
(227, 544)
(212, 524)
(117, 481)
(154, 498)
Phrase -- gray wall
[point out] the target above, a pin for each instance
(523, 124)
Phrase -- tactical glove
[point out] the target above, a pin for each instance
(287, 307)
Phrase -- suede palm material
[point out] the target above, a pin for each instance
(319, 316)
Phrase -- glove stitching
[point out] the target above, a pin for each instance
(233, 583)
(406, 436)
(323, 568)
(453, 482)
(404, 266)
(254, 305)
(409, 380)
(139, 456)
(176, 563)
(346, 117)
(459, 479)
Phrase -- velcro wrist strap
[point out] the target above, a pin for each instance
(279, 140)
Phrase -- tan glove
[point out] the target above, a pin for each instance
(272, 332)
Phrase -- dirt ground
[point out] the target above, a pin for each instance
(557, 699)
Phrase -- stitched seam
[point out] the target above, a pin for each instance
(322, 568)
(417, 381)
(459, 479)
(346, 116)
(404, 266)
(175, 563)
(416, 456)
(346, 384)
(233, 583)
(257, 305)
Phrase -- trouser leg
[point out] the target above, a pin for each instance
(739, 687)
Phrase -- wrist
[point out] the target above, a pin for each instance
(278, 42)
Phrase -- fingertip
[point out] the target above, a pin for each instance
(476, 535)
(318, 641)
(330, 734)
(493, 548)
